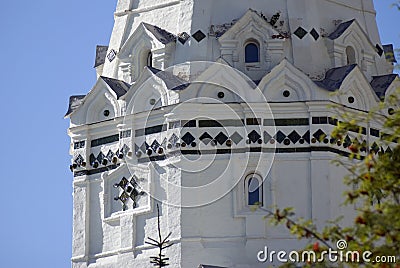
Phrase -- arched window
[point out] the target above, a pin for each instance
(254, 191)
(351, 55)
(149, 60)
(252, 53)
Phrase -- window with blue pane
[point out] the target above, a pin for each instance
(254, 191)
(252, 53)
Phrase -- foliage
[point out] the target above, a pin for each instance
(162, 243)
(374, 189)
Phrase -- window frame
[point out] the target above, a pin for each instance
(257, 45)
(260, 190)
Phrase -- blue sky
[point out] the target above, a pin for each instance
(47, 54)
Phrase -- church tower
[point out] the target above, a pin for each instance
(211, 108)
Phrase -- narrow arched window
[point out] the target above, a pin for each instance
(252, 53)
(253, 186)
(351, 55)
(149, 60)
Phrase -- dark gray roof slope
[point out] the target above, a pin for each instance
(101, 52)
(74, 103)
(172, 82)
(341, 29)
(335, 77)
(381, 83)
(389, 53)
(162, 35)
(119, 87)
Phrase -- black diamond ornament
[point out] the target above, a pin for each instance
(111, 55)
(110, 155)
(183, 37)
(314, 34)
(100, 157)
(319, 135)
(254, 136)
(206, 138)
(92, 159)
(280, 136)
(188, 138)
(79, 160)
(306, 136)
(379, 49)
(221, 138)
(300, 32)
(154, 146)
(294, 137)
(198, 36)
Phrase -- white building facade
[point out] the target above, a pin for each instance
(209, 108)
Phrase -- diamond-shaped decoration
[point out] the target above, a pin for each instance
(267, 137)
(388, 151)
(254, 136)
(154, 146)
(294, 136)
(111, 55)
(123, 183)
(347, 142)
(188, 138)
(100, 157)
(236, 138)
(183, 37)
(314, 34)
(198, 36)
(110, 155)
(306, 136)
(280, 136)
(375, 147)
(319, 135)
(92, 159)
(173, 139)
(221, 138)
(125, 149)
(134, 180)
(79, 160)
(300, 32)
(206, 138)
(379, 49)
(144, 147)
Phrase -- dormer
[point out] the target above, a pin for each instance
(148, 46)
(252, 45)
(349, 44)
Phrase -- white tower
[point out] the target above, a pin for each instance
(170, 122)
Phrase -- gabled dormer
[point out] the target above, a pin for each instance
(150, 46)
(100, 104)
(349, 44)
(252, 45)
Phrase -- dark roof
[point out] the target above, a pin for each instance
(209, 266)
(381, 83)
(172, 82)
(341, 29)
(335, 77)
(119, 87)
(389, 53)
(101, 52)
(74, 103)
(162, 35)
